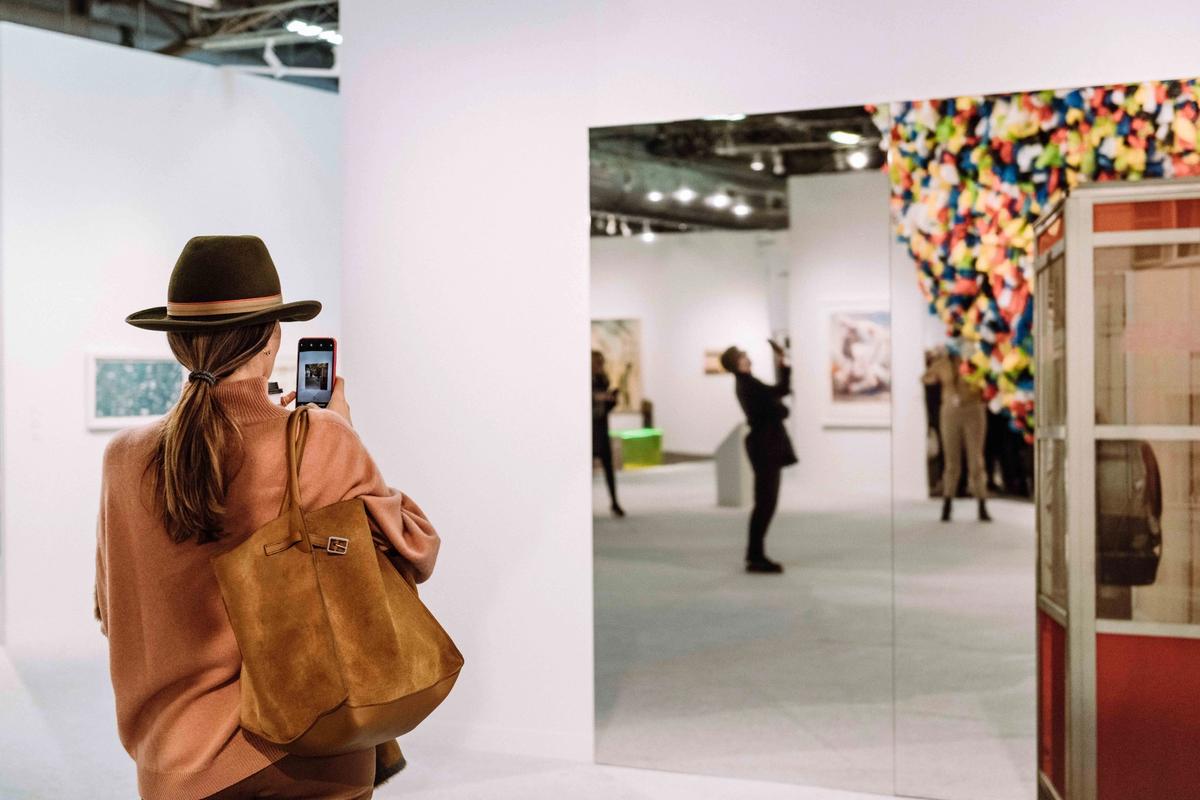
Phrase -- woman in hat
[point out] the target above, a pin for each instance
(177, 491)
(768, 445)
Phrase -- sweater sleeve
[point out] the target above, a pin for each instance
(391, 513)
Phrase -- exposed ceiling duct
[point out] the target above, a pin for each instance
(727, 173)
(295, 40)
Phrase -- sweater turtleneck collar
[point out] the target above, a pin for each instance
(247, 400)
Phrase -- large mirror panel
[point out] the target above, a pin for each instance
(734, 259)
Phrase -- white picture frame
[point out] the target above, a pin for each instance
(109, 372)
(857, 385)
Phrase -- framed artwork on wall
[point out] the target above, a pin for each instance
(124, 390)
(859, 352)
(620, 340)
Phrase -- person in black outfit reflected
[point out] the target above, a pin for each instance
(768, 445)
(604, 400)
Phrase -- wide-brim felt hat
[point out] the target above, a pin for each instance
(223, 282)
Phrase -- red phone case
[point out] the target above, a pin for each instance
(334, 376)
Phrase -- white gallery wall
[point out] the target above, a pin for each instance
(110, 160)
(692, 292)
(465, 121)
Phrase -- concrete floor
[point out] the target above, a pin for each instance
(58, 742)
(842, 672)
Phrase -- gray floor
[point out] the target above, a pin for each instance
(702, 668)
(58, 742)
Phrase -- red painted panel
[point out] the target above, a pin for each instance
(1052, 702)
(1148, 726)
(1052, 234)
(1146, 215)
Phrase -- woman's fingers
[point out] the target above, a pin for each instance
(287, 399)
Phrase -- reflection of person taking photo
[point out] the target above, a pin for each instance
(604, 400)
(963, 427)
(768, 444)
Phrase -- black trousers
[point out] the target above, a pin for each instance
(600, 451)
(766, 499)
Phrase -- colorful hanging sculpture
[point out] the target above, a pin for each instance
(969, 177)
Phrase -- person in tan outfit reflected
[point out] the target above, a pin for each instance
(963, 422)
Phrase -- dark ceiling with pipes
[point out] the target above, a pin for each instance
(294, 41)
(726, 173)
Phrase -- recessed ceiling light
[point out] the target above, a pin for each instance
(858, 159)
(845, 137)
(654, 196)
(742, 209)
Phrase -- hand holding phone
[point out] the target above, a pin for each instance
(316, 371)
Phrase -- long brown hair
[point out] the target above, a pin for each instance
(196, 439)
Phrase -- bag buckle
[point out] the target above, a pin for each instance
(337, 545)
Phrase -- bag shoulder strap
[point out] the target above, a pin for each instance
(297, 435)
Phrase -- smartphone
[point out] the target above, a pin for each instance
(316, 369)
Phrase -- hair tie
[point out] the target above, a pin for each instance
(203, 375)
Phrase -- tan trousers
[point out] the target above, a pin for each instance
(964, 431)
(348, 777)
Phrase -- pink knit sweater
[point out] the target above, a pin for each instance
(172, 653)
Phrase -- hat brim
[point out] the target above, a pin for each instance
(157, 319)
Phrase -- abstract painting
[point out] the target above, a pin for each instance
(620, 340)
(130, 390)
(860, 366)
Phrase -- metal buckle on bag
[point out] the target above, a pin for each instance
(337, 545)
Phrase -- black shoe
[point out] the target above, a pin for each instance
(618, 511)
(946, 505)
(763, 565)
(984, 516)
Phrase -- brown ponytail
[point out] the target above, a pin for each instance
(196, 438)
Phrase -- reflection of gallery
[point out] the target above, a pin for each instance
(979, 285)
(976, 187)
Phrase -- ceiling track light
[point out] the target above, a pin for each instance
(684, 194)
(610, 227)
(845, 137)
(719, 200)
(777, 165)
(742, 209)
(654, 196)
(625, 229)
(647, 234)
(858, 159)
(757, 163)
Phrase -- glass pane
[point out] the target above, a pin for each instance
(1148, 530)
(1052, 520)
(1147, 343)
(1052, 360)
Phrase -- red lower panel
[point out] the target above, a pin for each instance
(1148, 726)
(1052, 702)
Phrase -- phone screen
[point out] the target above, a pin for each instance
(315, 371)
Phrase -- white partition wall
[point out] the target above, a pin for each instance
(110, 159)
(466, 257)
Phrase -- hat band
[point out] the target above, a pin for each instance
(212, 308)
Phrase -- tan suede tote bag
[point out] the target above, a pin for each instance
(338, 652)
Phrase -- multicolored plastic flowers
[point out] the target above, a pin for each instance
(970, 175)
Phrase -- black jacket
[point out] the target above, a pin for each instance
(768, 444)
(600, 412)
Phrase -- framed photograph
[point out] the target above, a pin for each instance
(859, 352)
(712, 362)
(620, 340)
(125, 390)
